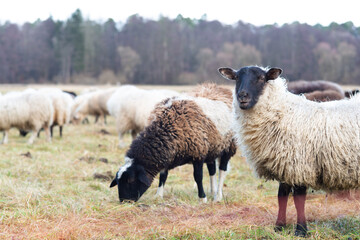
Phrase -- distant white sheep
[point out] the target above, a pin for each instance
(93, 103)
(132, 106)
(30, 110)
(62, 103)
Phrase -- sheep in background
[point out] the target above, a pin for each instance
(27, 111)
(293, 140)
(131, 108)
(93, 103)
(72, 94)
(351, 93)
(62, 103)
(78, 100)
(324, 96)
(183, 129)
(302, 86)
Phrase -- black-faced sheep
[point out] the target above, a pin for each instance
(293, 140)
(131, 108)
(29, 110)
(183, 130)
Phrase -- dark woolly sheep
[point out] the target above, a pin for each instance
(324, 96)
(183, 130)
(302, 86)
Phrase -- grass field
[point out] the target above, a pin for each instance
(60, 190)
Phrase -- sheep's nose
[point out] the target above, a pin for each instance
(243, 95)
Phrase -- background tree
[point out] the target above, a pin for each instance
(172, 51)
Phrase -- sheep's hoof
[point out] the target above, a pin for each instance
(301, 230)
(217, 198)
(279, 227)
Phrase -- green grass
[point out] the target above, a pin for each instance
(57, 194)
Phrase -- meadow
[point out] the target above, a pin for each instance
(60, 190)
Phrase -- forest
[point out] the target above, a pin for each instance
(172, 51)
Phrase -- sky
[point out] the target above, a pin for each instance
(256, 12)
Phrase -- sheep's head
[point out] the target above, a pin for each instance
(132, 182)
(250, 82)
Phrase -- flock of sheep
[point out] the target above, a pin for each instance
(294, 133)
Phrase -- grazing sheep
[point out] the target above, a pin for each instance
(62, 103)
(131, 108)
(29, 110)
(302, 86)
(293, 140)
(184, 129)
(93, 103)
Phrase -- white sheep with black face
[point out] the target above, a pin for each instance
(29, 110)
(294, 140)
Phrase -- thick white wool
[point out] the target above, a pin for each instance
(131, 106)
(293, 140)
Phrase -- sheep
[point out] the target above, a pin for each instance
(324, 96)
(71, 93)
(295, 141)
(131, 108)
(29, 110)
(302, 86)
(62, 103)
(93, 103)
(351, 93)
(183, 129)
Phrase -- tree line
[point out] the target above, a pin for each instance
(172, 51)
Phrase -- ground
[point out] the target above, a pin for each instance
(60, 190)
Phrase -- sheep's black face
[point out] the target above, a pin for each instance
(132, 183)
(250, 82)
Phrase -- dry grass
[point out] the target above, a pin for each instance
(61, 191)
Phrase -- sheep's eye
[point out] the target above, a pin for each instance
(261, 78)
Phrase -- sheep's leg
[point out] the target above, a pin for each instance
(52, 130)
(60, 130)
(212, 171)
(134, 133)
(283, 196)
(96, 118)
(5, 139)
(162, 180)
(224, 160)
(121, 141)
(32, 136)
(47, 133)
(299, 200)
(198, 176)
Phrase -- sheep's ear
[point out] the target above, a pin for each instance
(273, 73)
(228, 73)
(143, 177)
(113, 183)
